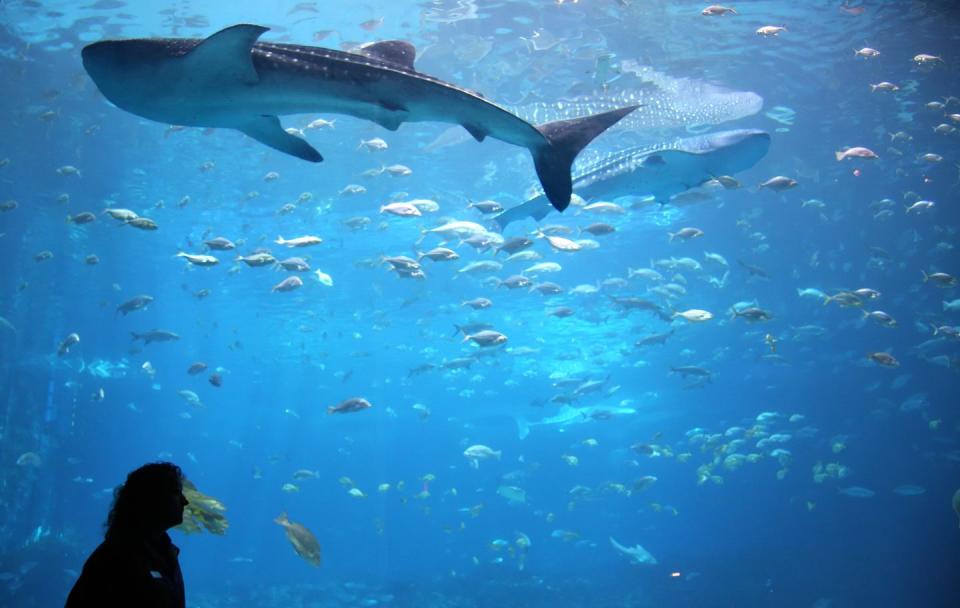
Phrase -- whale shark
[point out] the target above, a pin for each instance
(569, 415)
(637, 554)
(667, 102)
(230, 80)
(662, 170)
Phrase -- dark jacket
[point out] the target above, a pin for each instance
(130, 572)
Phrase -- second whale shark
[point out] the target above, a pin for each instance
(661, 171)
(230, 80)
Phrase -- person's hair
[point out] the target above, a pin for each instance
(135, 502)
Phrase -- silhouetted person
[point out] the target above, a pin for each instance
(136, 565)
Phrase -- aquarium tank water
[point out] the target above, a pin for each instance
(464, 303)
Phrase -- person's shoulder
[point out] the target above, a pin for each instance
(105, 552)
(109, 554)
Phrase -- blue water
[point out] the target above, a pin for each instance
(742, 538)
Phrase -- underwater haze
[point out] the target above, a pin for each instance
(726, 375)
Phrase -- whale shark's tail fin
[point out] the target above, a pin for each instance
(566, 139)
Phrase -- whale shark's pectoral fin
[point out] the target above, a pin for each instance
(226, 55)
(393, 118)
(390, 124)
(267, 130)
(477, 133)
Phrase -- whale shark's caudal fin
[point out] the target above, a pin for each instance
(566, 139)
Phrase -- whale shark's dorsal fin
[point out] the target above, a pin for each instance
(399, 52)
(227, 54)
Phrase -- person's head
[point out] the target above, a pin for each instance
(150, 500)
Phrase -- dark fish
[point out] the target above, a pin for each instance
(653, 339)
(134, 303)
(155, 335)
(632, 303)
(753, 270)
(220, 244)
(142, 223)
(257, 259)
(425, 367)
(196, 368)
(478, 303)
(354, 404)
(778, 183)
(486, 207)
(294, 264)
(590, 386)
(84, 217)
(644, 449)
(515, 244)
(599, 229)
(356, 223)
(67, 342)
(288, 284)
(884, 359)
(459, 363)
(480, 242)
(402, 261)
(372, 24)
(546, 288)
(305, 7)
(515, 282)
(752, 314)
(691, 370)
